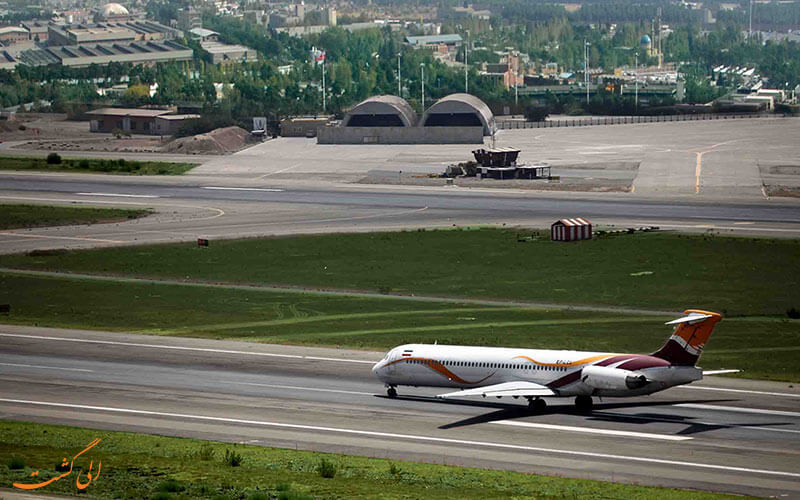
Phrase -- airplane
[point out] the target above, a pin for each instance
(536, 373)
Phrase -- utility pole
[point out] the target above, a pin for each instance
(466, 64)
(636, 76)
(323, 85)
(750, 30)
(422, 83)
(399, 87)
(586, 68)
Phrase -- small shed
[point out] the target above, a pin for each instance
(571, 230)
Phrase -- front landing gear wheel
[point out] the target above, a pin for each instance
(583, 403)
(391, 392)
(538, 405)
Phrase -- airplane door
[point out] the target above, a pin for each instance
(391, 369)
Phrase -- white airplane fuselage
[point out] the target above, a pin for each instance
(566, 373)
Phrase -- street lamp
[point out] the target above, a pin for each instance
(422, 83)
(466, 64)
(399, 89)
(586, 68)
(636, 76)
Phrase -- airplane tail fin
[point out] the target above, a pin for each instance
(691, 333)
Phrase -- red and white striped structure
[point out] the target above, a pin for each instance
(571, 230)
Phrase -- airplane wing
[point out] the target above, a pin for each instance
(718, 372)
(524, 389)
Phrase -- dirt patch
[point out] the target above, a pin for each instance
(781, 180)
(219, 141)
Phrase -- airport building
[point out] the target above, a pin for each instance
(137, 120)
(388, 119)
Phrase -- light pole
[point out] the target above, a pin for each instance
(422, 83)
(466, 64)
(399, 89)
(750, 30)
(323, 85)
(636, 76)
(586, 68)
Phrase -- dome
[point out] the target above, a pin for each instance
(113, 9)
(646, 40)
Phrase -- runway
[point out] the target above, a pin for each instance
(222, 208)
(727, 435)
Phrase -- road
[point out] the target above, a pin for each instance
(727, 435)
(215, 207)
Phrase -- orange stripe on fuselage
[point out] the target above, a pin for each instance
(441, 370)
(573, 363)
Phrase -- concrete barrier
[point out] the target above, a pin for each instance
(400, 135)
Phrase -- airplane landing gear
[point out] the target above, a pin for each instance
(538, 405)
(583, 403)
(391, 392)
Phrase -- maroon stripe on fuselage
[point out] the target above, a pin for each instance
(614, 359)
(674, 353)
(566, 379)
(640, 362)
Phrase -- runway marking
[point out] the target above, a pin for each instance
(737, 409)
(220, 188)
(121, 195)
(587, 430)
(305, 388)
(48, 367)
(763, 393)
(697, 171)
(46, 237)
(410, 437)
(219, 211)
(183, 348)
(279, 171)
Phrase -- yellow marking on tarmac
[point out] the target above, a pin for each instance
(697, 171)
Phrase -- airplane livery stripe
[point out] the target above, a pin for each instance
(573, 363)
(442, 370)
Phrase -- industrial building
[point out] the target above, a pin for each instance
(223, 53)
(81, 56)
(137, 121)
(10, 35)
(108, 32)
(388, 119)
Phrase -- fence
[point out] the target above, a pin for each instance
(624, 120)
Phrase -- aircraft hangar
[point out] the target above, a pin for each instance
(381, 111)
(459, 110)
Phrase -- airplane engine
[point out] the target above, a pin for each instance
(603, 377)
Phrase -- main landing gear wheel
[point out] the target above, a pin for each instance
(538, 405)
(583, 403)
(391, 392)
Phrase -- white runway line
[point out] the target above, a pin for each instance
(587, 430)
(47, 367)
(737, 409)
(269, 190)
(304, 388)
(182, 348)
(50, 237)
(122, 195)
(409, 437)
(744, 391)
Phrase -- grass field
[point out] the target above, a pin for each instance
(661, 271)
(212, 311)
(17, 216)
(96, 165)
(142, 466)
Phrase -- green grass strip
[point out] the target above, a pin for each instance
(13, 216)
(136, 466)
(94, 165)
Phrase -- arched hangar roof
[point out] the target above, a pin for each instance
(459, 110)
(381, 111)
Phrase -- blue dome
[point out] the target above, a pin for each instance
(646, 40)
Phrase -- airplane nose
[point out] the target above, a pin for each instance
(376, 370)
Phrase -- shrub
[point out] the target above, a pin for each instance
(16, 463)
(170, 486)
(793, 313)
(395, 470)
(536, 113)
(53, 159)
(232, 458)
(326, 468)
(206, 452)
(83, 164)
(161, 495)
(258, 495)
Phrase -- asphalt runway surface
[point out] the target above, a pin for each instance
(727, 435)
(188, 208)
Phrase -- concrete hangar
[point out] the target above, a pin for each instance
(388, 119)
